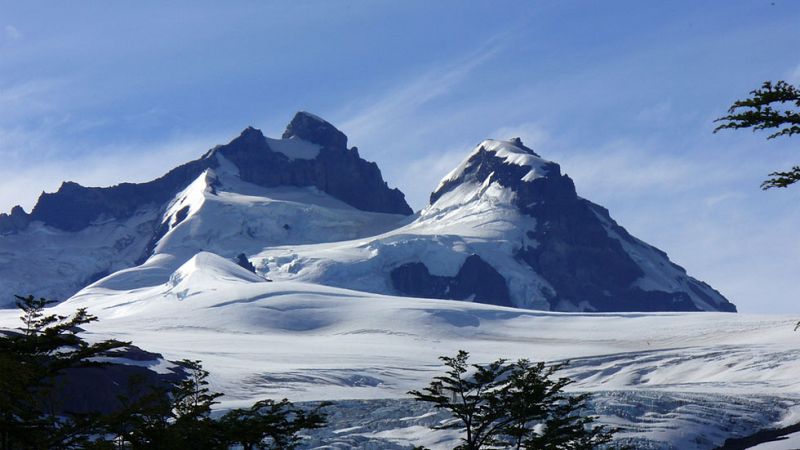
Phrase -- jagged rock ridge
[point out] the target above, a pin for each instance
(336, 170)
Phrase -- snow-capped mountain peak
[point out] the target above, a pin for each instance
(512, 151)
(507, 163)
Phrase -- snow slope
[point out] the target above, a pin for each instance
(672, 380)
(217, 212)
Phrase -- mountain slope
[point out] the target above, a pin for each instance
(254, 191)
(505, 227)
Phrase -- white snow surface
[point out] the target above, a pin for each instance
(220, 213)
(671, 380)
(217, 212)
(471, 218)
(294, 148)
(71, 260)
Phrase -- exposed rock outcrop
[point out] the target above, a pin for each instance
(476, 281)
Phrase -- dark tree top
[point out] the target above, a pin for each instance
(774, 107)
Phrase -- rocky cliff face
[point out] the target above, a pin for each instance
(334, 169)
(475, 281)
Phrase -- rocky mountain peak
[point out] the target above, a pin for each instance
(251, 133)
(312, 128)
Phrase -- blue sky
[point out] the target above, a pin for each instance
(622, 94)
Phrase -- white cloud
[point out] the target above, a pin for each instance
(34, 96)
(794, 76)
(12, 33)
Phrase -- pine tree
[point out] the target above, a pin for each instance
(767, 109)
(270, 425)
(192, 402)
(33, 361)
(469, 393)
(542, 415)
(520, 406)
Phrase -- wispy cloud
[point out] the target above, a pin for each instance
(34, 96)
(377, 114)
(12, 33)
(794, 75)
(21, 183)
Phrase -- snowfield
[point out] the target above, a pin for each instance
(670, 380)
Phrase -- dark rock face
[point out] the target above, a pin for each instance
(17, 220)
(311, 128)
(476, 280)
(74, 207)
(337, 170)
(243, 262)
(575, 252)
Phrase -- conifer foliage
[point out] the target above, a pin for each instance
(774, 106)
(33, 360)
(511, 405)
(151, 415)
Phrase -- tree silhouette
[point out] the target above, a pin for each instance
(774, 107)
(519, 406)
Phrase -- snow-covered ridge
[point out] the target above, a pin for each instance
(511, 152)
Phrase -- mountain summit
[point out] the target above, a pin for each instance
(312, 128)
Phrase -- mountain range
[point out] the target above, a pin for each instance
(505, 227)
